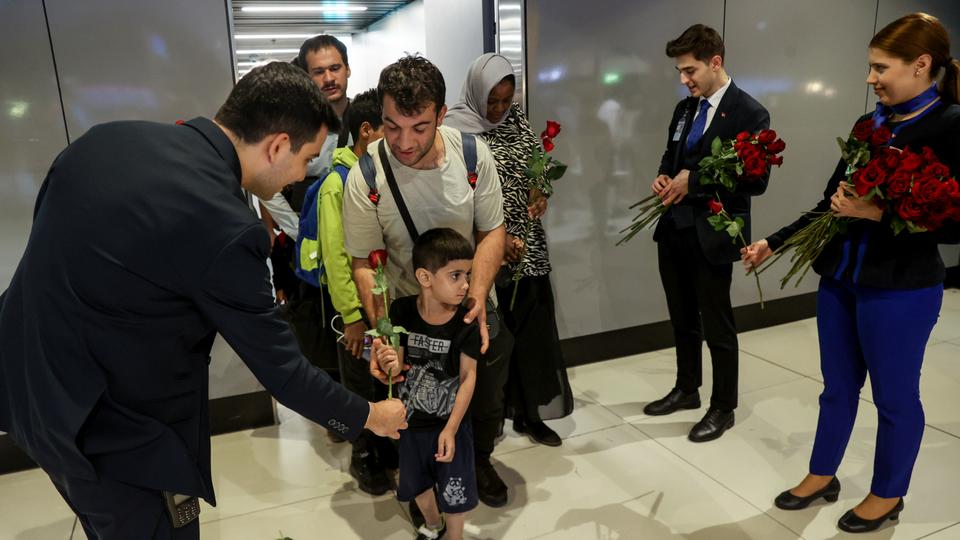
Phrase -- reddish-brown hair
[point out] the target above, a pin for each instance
(916, 34)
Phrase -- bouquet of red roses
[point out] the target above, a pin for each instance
(744, 159)
(914, 190)
(542, 170)
(384, 328)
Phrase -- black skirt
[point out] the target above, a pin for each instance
(537, 386)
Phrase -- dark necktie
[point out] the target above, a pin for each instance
(699, 123)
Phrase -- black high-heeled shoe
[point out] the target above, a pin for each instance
(789, 501)
(852, 523)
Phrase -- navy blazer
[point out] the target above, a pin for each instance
(142, 249)
(889, 261)
(737, 112)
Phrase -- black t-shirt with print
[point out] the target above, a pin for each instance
(433, 352)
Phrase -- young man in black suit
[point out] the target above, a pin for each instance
(695, 260)
(143, 248)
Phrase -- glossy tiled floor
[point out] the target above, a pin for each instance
(618, 475)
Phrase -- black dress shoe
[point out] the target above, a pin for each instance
(789, 501)
(538, 431)
(370, 475)
(673, 402)
(490, 488)
(712, 426)
(852, 523)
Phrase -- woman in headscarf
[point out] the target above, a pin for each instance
(537, 387)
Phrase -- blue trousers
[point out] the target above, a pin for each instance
(884, 333)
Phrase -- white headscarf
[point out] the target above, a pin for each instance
(469, 115)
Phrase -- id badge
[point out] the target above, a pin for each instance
(679, 131)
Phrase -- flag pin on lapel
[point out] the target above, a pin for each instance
(723, 115)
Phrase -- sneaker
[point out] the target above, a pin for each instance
(426, 533)
(490, 488)
(371, 477)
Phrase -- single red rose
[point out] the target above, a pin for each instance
(766, 136)
(547, 143)
(926, 189)
(949, 189)
(869, 177)
(910, 161)
(938, 170)
(743, 136)
(377, 257)
(929, 156)
(776, 160)
(863, 130)
(750, 151)
(755, 165)
(776, 146)
(898, 185)
(890, 158)
(908, 209)
(715, 206)
(553, 129)
(880, 136)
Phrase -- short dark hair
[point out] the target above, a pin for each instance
(316, 43)
(704, 42)
(435, 249)
(364, 107)
(414, 83)
(277, 98)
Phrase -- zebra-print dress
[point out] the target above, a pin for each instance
(512, 143)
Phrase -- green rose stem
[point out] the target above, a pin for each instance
(389, 384)
(518, 273)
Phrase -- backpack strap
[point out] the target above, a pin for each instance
(469, 142)
(343, 171)
(369, 171)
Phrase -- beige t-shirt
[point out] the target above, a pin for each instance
(439, 197)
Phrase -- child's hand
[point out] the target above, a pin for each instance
(446, 446)
(387, 358)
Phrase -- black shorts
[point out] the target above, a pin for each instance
(455, 482)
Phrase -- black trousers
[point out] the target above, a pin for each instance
(698, 299)
(111, 510)
(487, 405)
(355, 376)
(537, 387)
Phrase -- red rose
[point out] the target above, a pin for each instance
(869, 177)
(929, 156)
(910, 161)
(880, 136)
(743, 136)
(937, 170)
(949, 189)
(908, 209)
(890, 158)
(547, 142)
(863, 130)
(749, 151)
(775, 160)
(926, 189)
(755, 165)
(553, 129)
(776, 146)
(715, 206)
(766, 136)
(377, 257)
(898, 185)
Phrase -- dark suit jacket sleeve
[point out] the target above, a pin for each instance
(777, 239)
(666, 162)
(234, 293)
(753, 121)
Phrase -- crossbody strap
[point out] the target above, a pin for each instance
(395, 190)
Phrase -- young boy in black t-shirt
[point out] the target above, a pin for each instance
(439, 355)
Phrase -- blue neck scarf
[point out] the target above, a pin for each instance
(883, 113)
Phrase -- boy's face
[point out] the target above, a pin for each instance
(450, 283)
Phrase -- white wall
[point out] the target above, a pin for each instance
(383, 43)
(454, 39)
(447, 32)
